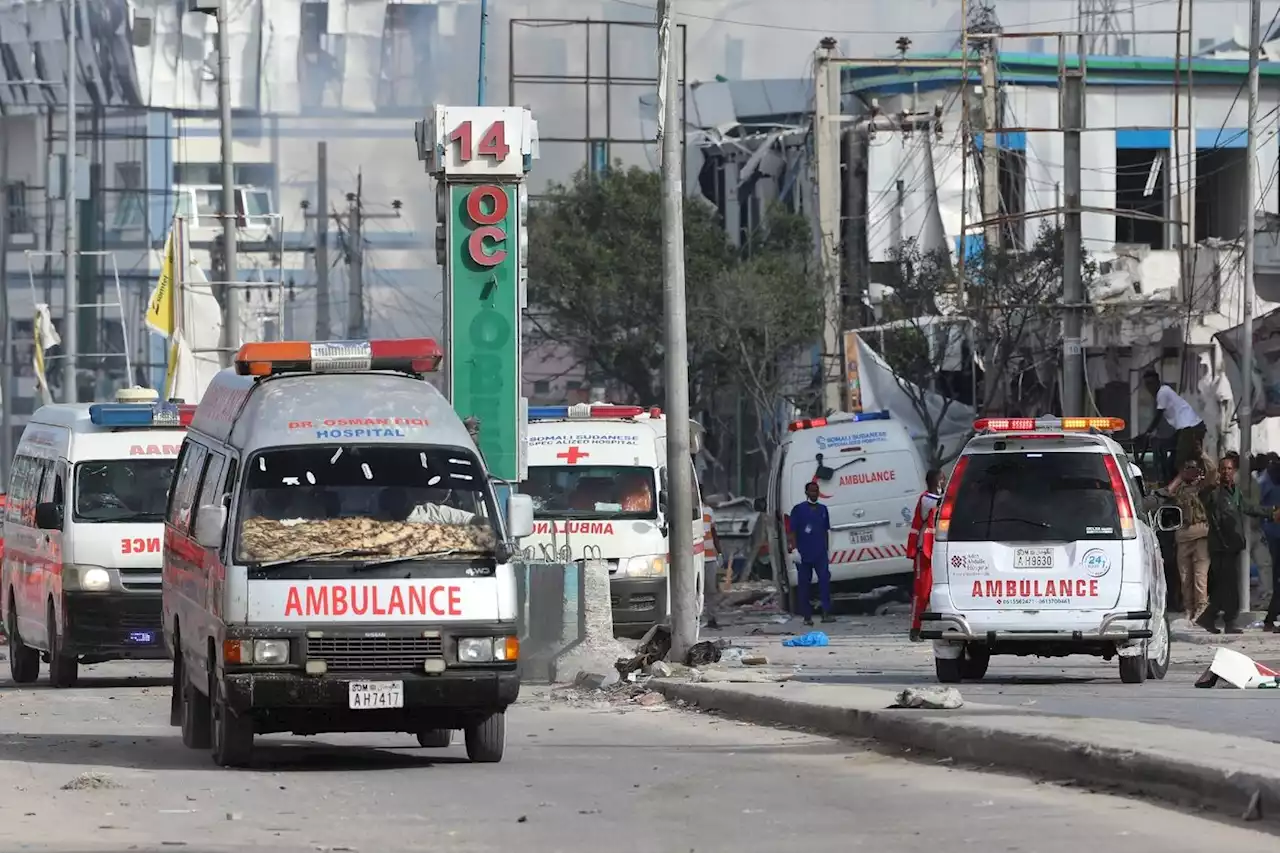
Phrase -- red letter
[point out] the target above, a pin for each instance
(1081, 588)
(293, 603)
(462, 135)
(397, 602)
(339, 601)
(418, 601)
(475, 246)
(455, 601)
(977, 589)
(360, 599)
(436, 608)
(993, 589)
(375, 610)
(1093, 588)
(499, 205)
(317, 601)
(494, 142)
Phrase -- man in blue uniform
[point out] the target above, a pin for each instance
(809, 536)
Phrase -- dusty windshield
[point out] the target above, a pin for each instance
(330, 502)
(123, 489)
(591, 491)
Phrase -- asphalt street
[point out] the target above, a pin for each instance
(97, 768)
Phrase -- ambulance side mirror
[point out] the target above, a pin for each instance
(211, 521)
(1168, 518)
(520, 516)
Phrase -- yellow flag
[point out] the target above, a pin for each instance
(160, 306)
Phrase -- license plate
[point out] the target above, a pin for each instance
(1033, 558)
(372, 695)
(862, 537)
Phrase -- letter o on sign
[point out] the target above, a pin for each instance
(488, 224)
(499, 205)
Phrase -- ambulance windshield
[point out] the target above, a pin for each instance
(591, 491)
(370, 503)
(122, 490)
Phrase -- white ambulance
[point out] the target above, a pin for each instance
(334, 556)
(869, 477)
(83, 528)
(598, 479)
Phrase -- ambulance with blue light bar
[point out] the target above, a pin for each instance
(83, 531)
(1044, 545)
(869, 477)
(335, 559)
(598, 479)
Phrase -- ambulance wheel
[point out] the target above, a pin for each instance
(974, 663)
(950, 670)
(24, 661)
(1158, 668)
(435, 738)
(64, 670)
(487, 739)
(232, 734)
(196, 723)
(1133, 669)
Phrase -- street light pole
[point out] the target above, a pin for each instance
(71, 288)
(230, 302)
(1246, 343)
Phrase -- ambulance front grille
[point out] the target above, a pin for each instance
(374, 654)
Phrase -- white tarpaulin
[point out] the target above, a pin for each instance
(1266, 363)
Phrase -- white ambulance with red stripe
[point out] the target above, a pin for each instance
(869, 477)
(335, 559)
(598, 479)
(83, 531)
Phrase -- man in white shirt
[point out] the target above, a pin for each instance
(1189, 429)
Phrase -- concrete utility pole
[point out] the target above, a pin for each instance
(230, 219)
(355, 263)
(323, 329)
(71, 288)
(1246, 344)
(826, 167)
(856, 262)
(6, 330)
(680, 509)
(1073, 391)
(991, 146)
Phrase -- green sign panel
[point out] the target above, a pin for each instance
(482, 300)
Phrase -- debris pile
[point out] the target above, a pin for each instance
(269, 540)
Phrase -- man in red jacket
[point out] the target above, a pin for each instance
(920, 556)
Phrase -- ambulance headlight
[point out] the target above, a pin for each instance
(270, 652)
(654, 566)
(475, 649)
(95, 580)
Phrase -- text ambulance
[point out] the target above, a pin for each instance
(83, 528)
(869, 477)
(598, 479)
(334, 556)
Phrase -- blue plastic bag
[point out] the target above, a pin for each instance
(813, 638)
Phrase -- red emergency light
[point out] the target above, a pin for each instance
(410, 355)
(1048, 425)
(588, 411)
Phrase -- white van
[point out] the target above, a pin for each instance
(83, 528)
(869, 477)
(598, 479)
(334, 556)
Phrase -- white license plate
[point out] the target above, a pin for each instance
(1033, 558)
(372, 695)
(862, 537)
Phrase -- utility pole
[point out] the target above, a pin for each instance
(1246, 345)
(991, 147)
(1072, 274)
(6, 329)
(230, 219)
(355, 220)
(857, 271)
(323, 329)
(484, 38)
(71, 289)
(826, 167)
(680, 508)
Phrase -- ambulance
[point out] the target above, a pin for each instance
(598, 479)
(82, 531)
(335, 560)
(869, 477)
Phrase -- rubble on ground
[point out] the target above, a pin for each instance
(934, 698)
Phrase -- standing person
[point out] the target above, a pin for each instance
(1189, 429)
(809, 536)
(1192, 537)
(710, 567)
(1269, 488)
(1225, 507)
(921, 562)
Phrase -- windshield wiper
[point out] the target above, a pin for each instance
(1044, 525)
(425, 555)
(324, 555)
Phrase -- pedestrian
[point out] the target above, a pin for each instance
(1269, 488)
(1189, 429)
(1226, 507)
(711, 556)
(809, 538)
(923, 579)
(1192, 537)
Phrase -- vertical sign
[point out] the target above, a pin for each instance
(480, 157)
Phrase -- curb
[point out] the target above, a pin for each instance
(1232, 792)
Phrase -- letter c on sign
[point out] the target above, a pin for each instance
(475, 246)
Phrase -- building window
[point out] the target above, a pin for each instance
(130, 202)
(406, 53)
(542, 386)
(19, 219)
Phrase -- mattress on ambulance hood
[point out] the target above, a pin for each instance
(266, 540)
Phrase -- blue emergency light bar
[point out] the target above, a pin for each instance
(857, 417)
(584, 411)
(141, 415)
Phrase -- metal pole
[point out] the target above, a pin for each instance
(71, 289)
(679, 504)
(1072, 273)
(322, 241)
(230, 303)
(1246, 346)
(991, 147)
(6, 330)
(826, 167)
(355, 284)
(484, 33)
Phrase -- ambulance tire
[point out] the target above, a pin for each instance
(64, 670)
(196, 722)
(950, 670)
(1158, 669)
(974, 663)
(435, 738)
(1133, 669)
(24, 661)
(232, 734)
(487, 739)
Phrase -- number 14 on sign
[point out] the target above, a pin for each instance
(493, 142)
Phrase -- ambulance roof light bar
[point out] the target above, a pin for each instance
(588, 411)
(141, 415)
(856, 417)
(411, 355)
(1048, 424)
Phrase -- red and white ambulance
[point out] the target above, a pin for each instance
(334, 556)
(83, 527)
(598, 479)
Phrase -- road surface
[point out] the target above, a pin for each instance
(582, 775)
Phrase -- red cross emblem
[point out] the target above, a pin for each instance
(572, 455)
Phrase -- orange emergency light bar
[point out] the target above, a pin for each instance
(411, 355)
(1048, 425)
